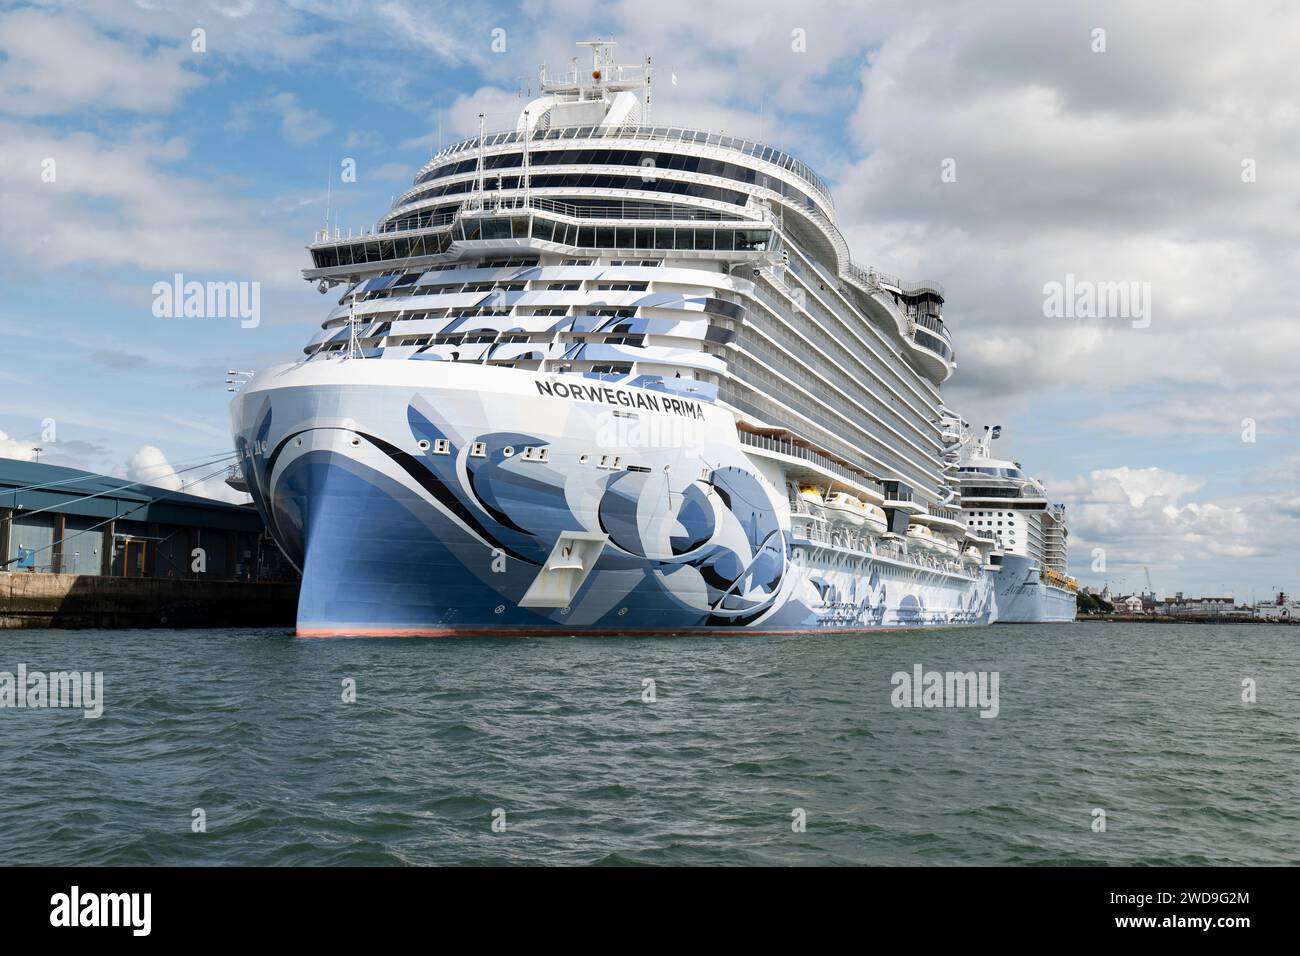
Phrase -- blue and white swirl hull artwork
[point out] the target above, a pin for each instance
(440, 498)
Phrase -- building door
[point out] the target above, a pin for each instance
(133, 565)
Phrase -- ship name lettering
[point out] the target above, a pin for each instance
(617, 396)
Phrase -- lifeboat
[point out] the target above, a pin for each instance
(874, 520)
(972, 553)
(921, 537)
(843, 507)
(812, 498)
(945, 545)
(1059, 580)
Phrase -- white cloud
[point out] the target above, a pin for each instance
(1139, 485)
(262, 33)
(149, 465)
(123, 203)
(13, 448)
(421, 29)
(1117, 166)
(1139, 518)
(299, 124)
(55, 64)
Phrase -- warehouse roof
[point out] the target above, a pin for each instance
(71, 491)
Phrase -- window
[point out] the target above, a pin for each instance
(505, 263)
(478, 450)
(441, 446)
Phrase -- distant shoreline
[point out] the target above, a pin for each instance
(1166, 619)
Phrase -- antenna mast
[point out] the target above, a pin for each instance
(645, 106)
(480, 161)
(528, 135)
(329, 182)
(354, 346)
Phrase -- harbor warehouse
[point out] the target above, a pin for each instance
(65, 521)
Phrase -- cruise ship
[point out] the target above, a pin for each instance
(999, 499)
(594, 375)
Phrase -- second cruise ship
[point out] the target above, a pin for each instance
(999, 499)
(593, 375)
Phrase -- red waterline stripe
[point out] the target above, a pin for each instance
(319, 632)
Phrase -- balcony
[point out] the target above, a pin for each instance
(947, 514)
(798, 451)
(932, 322)
(899, 496)
(418, 222)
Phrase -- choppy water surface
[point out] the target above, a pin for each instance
(1144, 721)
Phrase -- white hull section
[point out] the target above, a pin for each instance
(1023, 598)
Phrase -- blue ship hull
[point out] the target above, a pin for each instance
(487, 509)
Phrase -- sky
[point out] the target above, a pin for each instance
(999, 148)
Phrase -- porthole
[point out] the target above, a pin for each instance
(422, 444)
(508, 451)
(582, 459)
(355, 441)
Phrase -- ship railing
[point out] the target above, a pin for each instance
(618, 74)
(420, 221)
(807, 454)
(922, 287)
(865, 545)
(623, 210)
(931, 322)
(653, 134)
(939, 511)
(870, 280)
